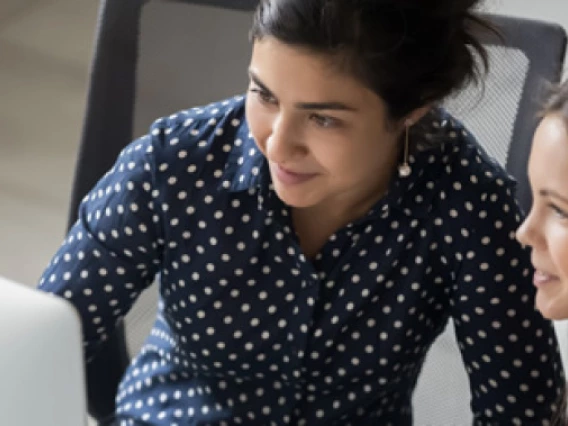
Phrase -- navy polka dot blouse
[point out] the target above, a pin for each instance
(251, 332)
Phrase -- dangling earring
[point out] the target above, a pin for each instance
(404, 169)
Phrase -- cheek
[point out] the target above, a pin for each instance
(353, 156)
(259, 123)
(558, 249)
(340, 149)
(334, 153)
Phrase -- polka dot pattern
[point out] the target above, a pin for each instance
(251, 332)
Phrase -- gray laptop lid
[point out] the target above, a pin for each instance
(41, 359)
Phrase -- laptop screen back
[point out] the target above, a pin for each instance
(41, 359)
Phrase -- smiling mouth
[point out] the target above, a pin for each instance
(291, 178)
(542, 278)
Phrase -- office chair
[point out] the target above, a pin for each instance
(154, 57)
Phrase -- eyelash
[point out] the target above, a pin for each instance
(561, 213)
(264, 96)
(322, 121)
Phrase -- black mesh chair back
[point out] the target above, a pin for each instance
(155, 57)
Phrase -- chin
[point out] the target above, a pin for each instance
(295, 202)
(553, 309)
(294, 198)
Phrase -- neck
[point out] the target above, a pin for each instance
(352, 205)
(337, 211)
(315, 225)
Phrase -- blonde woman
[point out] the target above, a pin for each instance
(546, 227)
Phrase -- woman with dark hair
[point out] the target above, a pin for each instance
(313, 238)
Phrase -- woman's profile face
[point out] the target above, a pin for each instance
(546, 227)
(325, 135)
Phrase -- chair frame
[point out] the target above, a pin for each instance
(547, 70)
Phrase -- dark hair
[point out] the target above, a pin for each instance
(559, 418)
(409, 52)
(557, 102)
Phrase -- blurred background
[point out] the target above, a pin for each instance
(45, 51)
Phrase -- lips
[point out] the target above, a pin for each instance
(289, 177)
(542, 278)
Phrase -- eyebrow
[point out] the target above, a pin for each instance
(337, 106)
(552, 194)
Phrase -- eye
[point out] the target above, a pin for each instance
(324, 121)
(264, 96)
(558, 211)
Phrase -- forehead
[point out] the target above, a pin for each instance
(299, 65)
(297, 75)
(549, 155)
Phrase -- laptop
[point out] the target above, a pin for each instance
(42, 378)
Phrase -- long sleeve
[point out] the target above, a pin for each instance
(510, 352)
(113, 251)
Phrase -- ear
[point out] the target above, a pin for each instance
(416, 115)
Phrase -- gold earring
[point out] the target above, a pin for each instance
(404, 169)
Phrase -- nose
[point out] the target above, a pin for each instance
(284, 143)
(528, 233)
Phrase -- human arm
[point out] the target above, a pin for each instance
(112, 253)
(509, 350)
